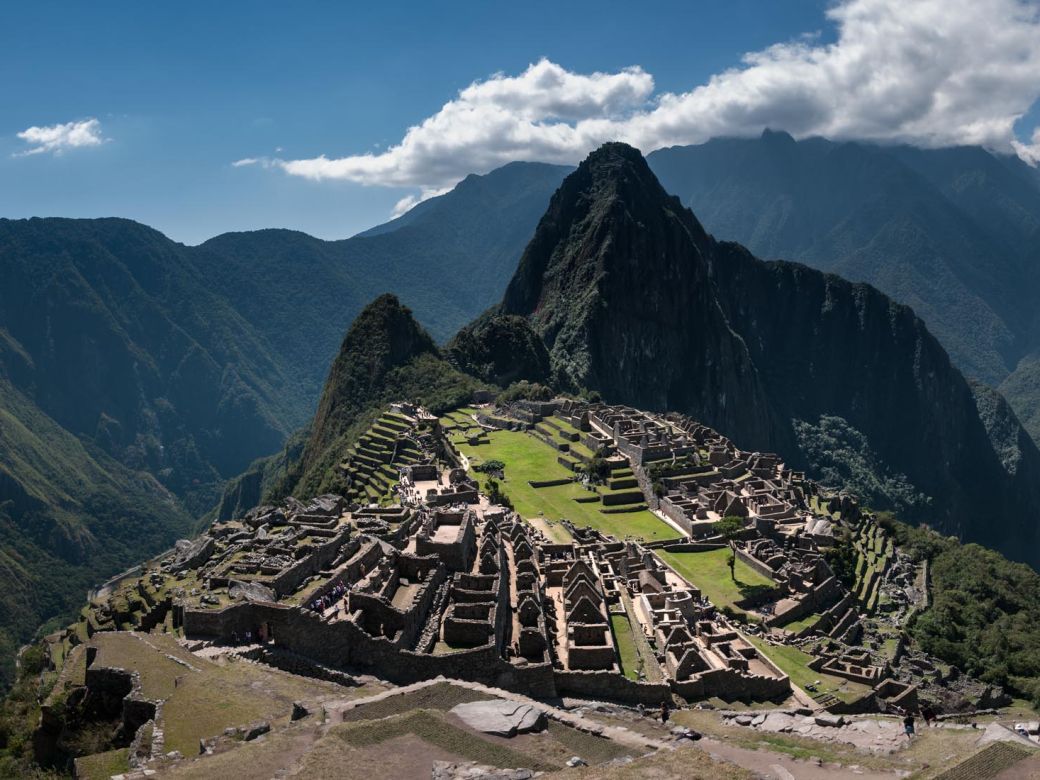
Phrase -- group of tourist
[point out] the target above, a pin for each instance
(321, 604)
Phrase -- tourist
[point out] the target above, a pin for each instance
(664, 712)
(908, 725)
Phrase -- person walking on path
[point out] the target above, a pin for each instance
(908, 725)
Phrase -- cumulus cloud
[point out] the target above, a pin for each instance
(59, 138)
(928, 72)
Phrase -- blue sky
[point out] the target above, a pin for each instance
(181, 91)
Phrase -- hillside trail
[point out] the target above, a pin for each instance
(776, 766)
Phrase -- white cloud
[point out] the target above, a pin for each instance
(261, 162)
(408, 202)
(59, 138)
(927, 72)
(1030, 152)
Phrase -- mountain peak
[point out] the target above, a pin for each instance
(612, 198)
(384, 336)
(386, 356)
(623, 168)
(778, 137)
(614, 152)
(617, 275)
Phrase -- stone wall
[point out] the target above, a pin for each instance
(730, 685)
(610, 686)
(544, 483)
(692, 546)
(755, 563)
(675, 514)
(344, 645)
(289, 580)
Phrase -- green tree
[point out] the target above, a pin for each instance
(729, 528)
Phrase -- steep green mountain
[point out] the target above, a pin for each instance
(953, 233)
(386, 356)
(634, 299)
(70, 515)
(107, 329)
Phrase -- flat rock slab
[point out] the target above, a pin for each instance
(500, 717)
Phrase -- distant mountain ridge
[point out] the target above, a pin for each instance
(953, 233)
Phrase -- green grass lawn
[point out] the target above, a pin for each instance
(795, 664)
(710, 572)
(805, 622)
(102, 766)
(530, 459)
(626, 646)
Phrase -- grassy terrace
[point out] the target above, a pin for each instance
(805, 622)
(101, 766)
(710, 572)
(205, 698)
(530, 459)
(795, 664)
(626, 645)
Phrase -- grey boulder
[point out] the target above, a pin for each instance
(500, 717)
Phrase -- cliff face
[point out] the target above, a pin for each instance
(500, 349)
(616, 282)
(634, 299)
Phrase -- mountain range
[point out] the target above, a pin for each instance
(634, 299)
(139, 375)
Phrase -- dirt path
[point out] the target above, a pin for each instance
(777, 766)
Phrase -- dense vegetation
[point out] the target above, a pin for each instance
(984, 615)
(500, 350)
(19, 717)
(70, 515)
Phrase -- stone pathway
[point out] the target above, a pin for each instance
(335, 710)
(879, 735)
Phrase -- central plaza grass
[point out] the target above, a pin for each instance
(530, 459)
(710, 572)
